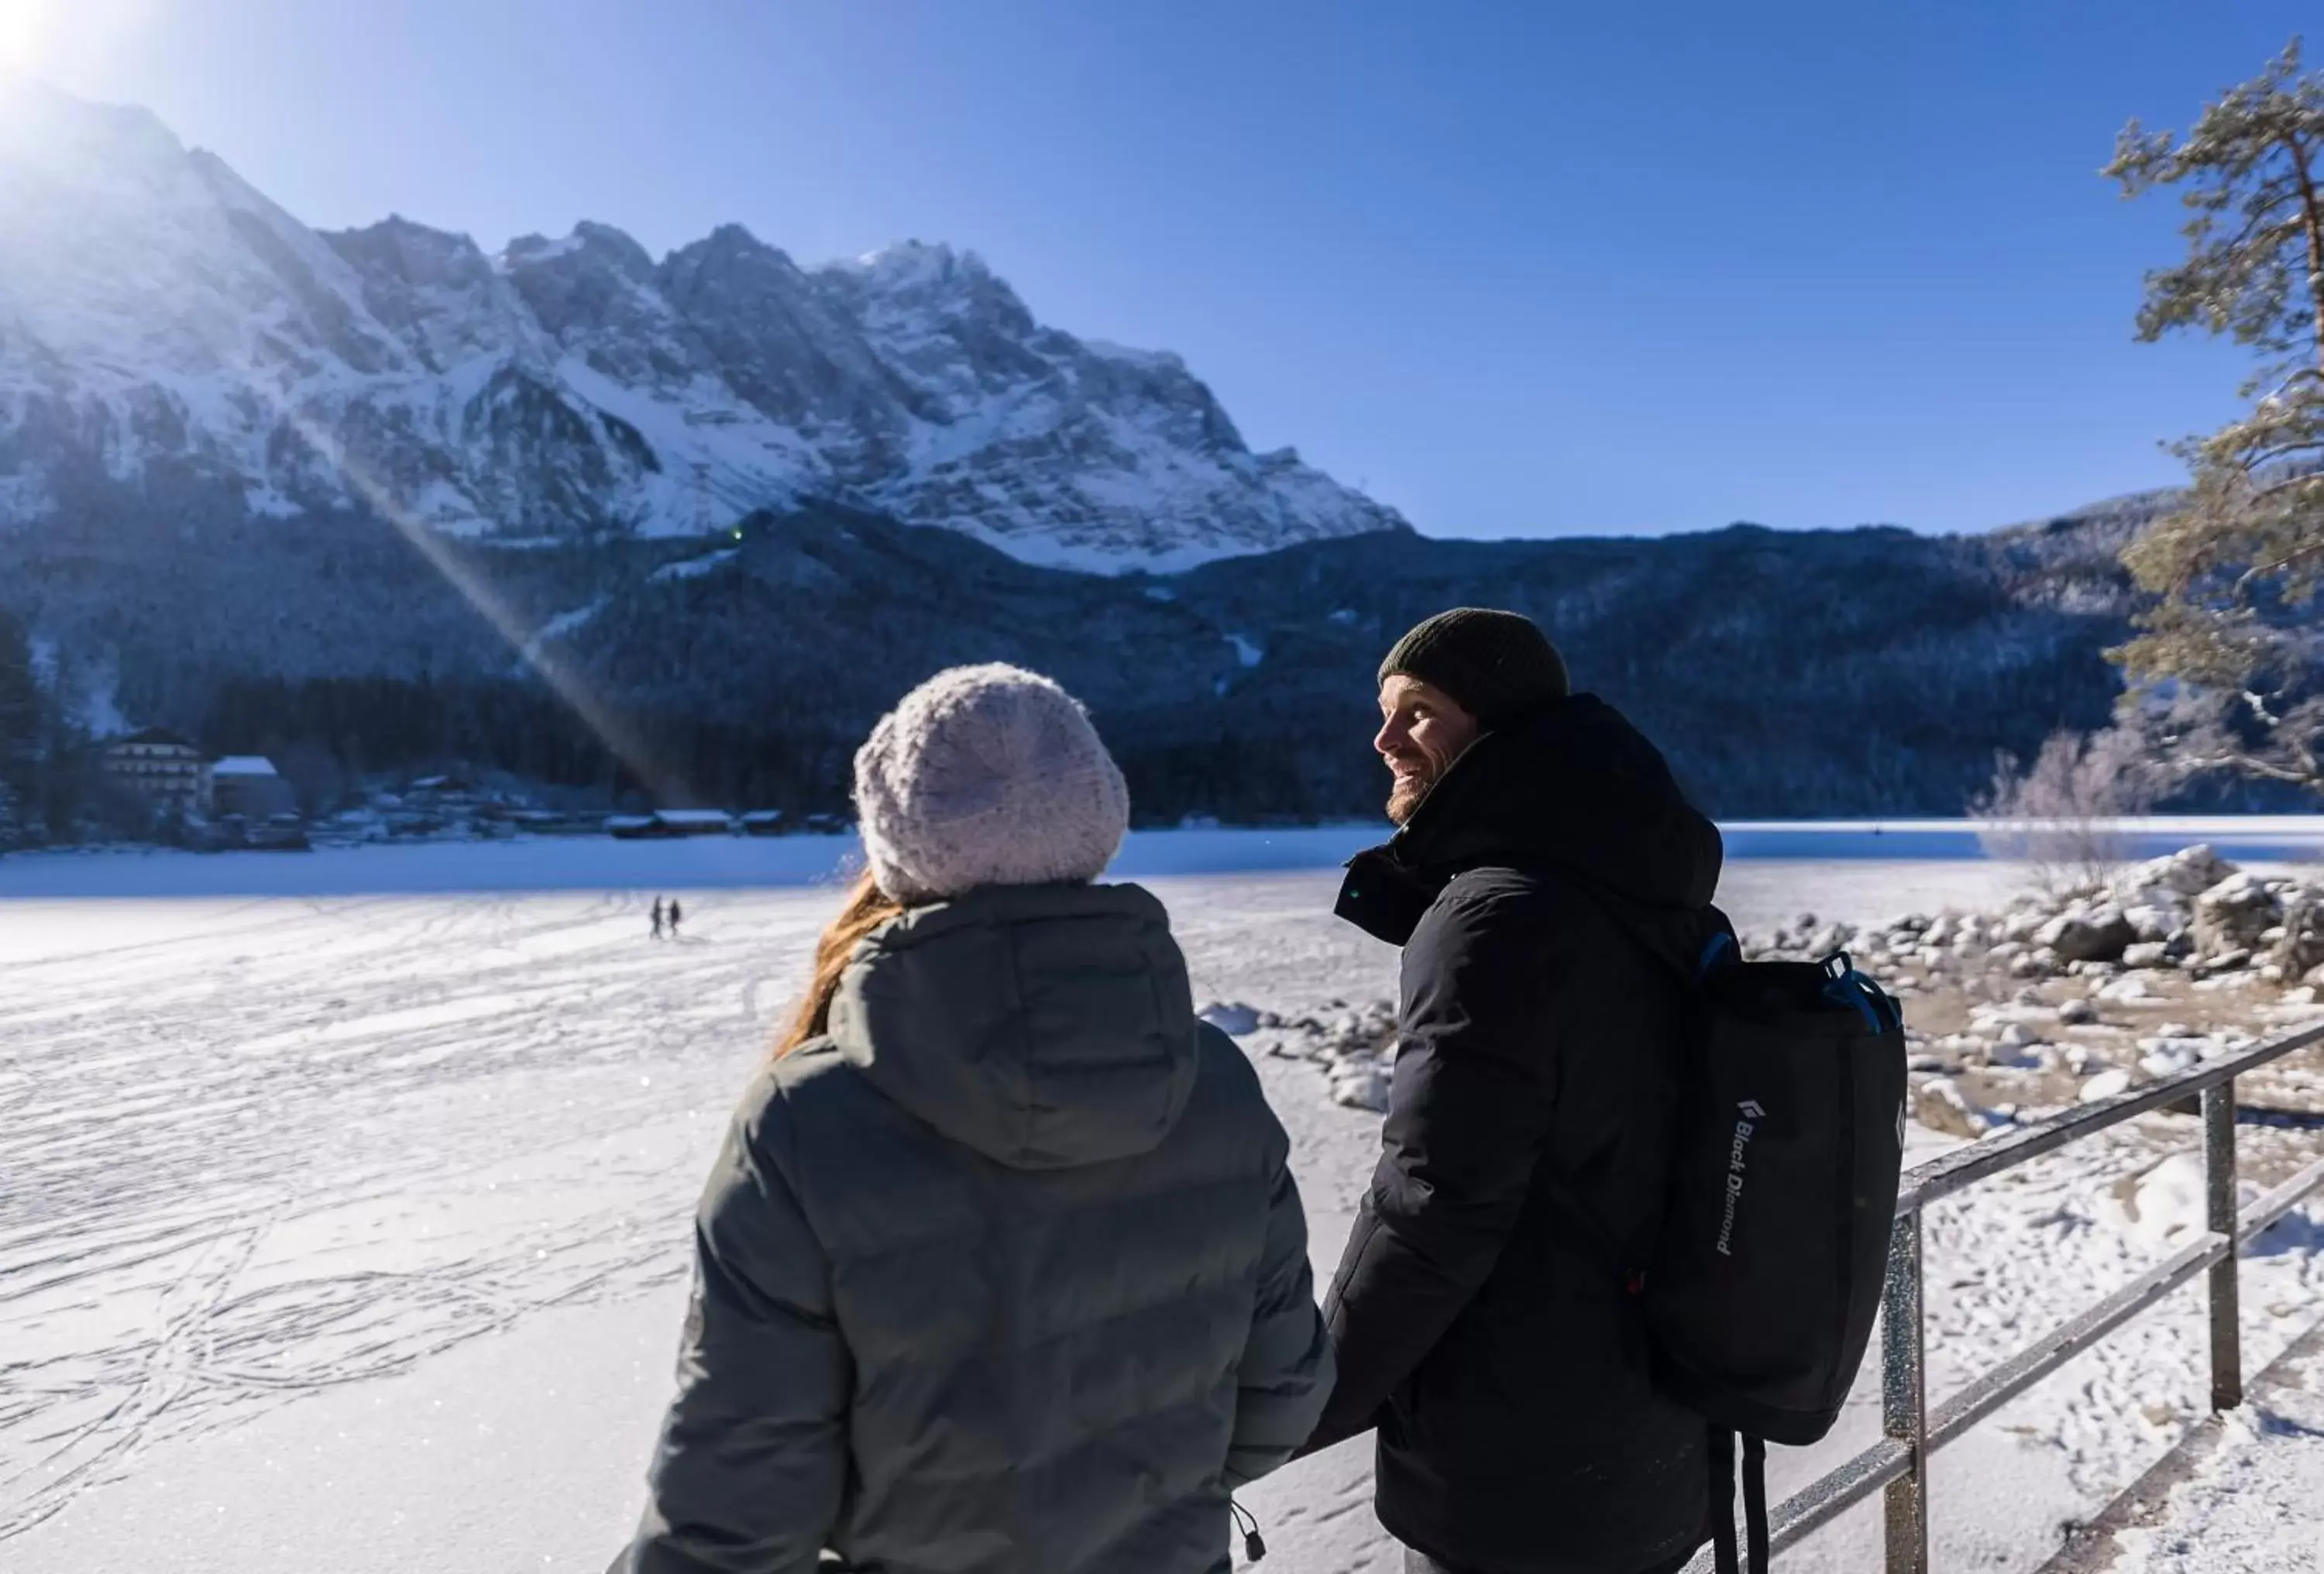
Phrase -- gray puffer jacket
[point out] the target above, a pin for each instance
(1007, 1276)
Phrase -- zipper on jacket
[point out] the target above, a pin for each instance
(1253, 1547)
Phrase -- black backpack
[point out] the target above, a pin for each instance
(1785, 1165)
(1786, 1156)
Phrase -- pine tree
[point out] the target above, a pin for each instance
(2226, 662)
(20, 722)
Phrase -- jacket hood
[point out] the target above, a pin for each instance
(1572, 786)
(1045, 1026)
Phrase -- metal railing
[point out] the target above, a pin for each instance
(1897, 1466)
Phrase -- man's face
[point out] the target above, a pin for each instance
(1422, 733)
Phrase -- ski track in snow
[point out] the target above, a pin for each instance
(266, 1151)
(313, 1143)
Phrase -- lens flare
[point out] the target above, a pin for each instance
(567, 684)
(21, 23)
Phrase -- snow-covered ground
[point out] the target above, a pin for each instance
(2251, 1491)
(343, 1227)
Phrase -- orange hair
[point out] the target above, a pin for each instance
(866, 909)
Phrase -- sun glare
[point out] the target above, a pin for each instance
(21, 23)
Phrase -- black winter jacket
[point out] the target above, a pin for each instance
(1545, 892)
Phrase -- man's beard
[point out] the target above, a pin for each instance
(1405, 795)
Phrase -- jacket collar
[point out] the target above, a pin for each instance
(1571, 786)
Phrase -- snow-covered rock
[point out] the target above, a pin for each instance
(2038, 963)
(2106, 1085)
(2233, 914)
(2096, 934)
(2165, 1203)
(2023, 925)
(1940, 1105)
(2168, 1057)
(1361, 1085)
(166, 328)
(2299, 949)
(1961, 1048)
(2188, 872)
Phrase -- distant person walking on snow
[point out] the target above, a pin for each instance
(1002, 1270)
(1545, 875)
(657, 919)
(676, 913)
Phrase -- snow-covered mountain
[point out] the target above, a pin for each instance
(163, 325)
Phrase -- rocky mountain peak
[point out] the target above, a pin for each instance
(589, 244)
(164, 324)
(437, 291)
(63, 136)
(919, 270)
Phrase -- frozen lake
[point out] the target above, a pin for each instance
(741, 863)
(344, 1222)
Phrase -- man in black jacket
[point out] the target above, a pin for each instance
(1550, 887)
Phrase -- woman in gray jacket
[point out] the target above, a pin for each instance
(1001, 1269)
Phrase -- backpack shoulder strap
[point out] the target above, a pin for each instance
(1719, 946)
(1718, 943)
(1754, 1503)
(1721, 1453)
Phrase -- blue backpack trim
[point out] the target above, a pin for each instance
(1720, 945)
(1846, 986)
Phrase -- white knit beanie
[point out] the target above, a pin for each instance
(986, 775)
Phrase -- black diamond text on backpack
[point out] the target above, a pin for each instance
(1786, 1158)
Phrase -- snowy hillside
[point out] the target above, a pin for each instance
(166, 330)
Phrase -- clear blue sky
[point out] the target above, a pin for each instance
(1518, 268)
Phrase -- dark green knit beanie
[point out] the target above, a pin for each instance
(1496, 666)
